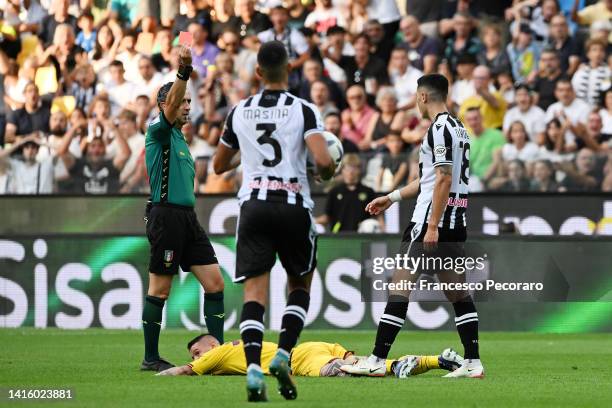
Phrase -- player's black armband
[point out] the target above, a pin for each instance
(184, 72)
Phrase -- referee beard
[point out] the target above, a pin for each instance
(174, 233)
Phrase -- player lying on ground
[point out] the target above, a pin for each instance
(310, 359)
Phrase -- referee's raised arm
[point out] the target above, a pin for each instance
(176, 95)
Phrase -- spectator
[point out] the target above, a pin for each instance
(126, 129)
(93, 173)
(593, 138)
(493, 55)
(525, 111)
(394, 169)
(403, 78)
(570, 111)
(357, 117)
(294, 41)
(491, 104)
(606, 111)
(319, 95)
(34, 116)
(161, 59)
(333, 124)
(543, 177)
(345, 208)
(540, 18)
(324, 16)
(149, 80)
(381, 46)
(582, 174)
(388, 120)
(63, 55)
(119, 90)
(462, 41)
(387, 15)
(60, 16)
(552, 144)
(569, 50)
(546, 82)
(129, 55)
(483, 143)
(86, 39)
(313, 71)
(520, 147)
(364, 69)
(600, 11)
(594, 77)
(463, 86)
(248, 21)
(202, 51)
(422, 51)
(193, 14)
(524, 54)
(83, 85)
(105, 51)
(297, 13)
(28, 175)
(516, 180)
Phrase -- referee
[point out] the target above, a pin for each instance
(173, 230)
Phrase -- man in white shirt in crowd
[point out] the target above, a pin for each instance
(127, 128)
(149, 80)
(570, 110)
(403, 78)
(525, 111)
(120, 91)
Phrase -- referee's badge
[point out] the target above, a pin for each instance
(168, 257)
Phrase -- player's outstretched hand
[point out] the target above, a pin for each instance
(185, 56)
(378, 205)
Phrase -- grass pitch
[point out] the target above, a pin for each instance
(101, 366)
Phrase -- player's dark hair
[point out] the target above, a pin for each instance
(196, 339)
(272, 59)
(436, 85)
(163, 92)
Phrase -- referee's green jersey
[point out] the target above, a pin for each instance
(170, 166)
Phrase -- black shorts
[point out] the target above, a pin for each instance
(451, 244)
(176, 238)
(266, 229)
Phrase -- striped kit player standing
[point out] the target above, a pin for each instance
(273, 131)
(438, 228)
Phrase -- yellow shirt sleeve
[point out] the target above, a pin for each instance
(208, 362)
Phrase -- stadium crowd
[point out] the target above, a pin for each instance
(530, 79)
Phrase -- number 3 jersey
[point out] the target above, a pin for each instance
(447, 143)
(270, 129)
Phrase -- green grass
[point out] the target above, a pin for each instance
(523, 370)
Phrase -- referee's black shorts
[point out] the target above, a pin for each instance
(266, 229)
(176, 238)
(451, 245)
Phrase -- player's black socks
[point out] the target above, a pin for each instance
(214, 314)
(151, 325)
(390, 324)
(252, 331)
(293, 319)
(467, 326)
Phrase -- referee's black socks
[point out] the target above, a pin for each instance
(151, 324)
(390, 324)
(293, 319)
(252, 331)
(214, 314)
(467, 326)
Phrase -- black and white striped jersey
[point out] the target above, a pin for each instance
(270, 129)
(447, 143)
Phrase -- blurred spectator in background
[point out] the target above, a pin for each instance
(161, 58)
(404, 78)
(524, 54)
(493, 55)
(593, 138)
(345, 208)
(543, 177)
(394, 169)
(27, 174)
(365, 69)
(462, 41)
(530, 115)
(86, 39)
(127, 130)
(203, 52)
(552, 142)
(324, 16)
(516, 179)
(193, 14)
(249, 21)
(606, 111)
(333, 124)
(149, 80)
(491, 103)
(569, 49)
(319, 95)
(58, 15)
(546, 82)
(581, 174)
(422, 51)
(83, 84)
(519, 146)
(357, 117)
(463, 86)
(595, 76)
(120, 91)
(388, 118)
(313, 71)
(483, 143)
(34, 116)
(600, 11)
(570, 111)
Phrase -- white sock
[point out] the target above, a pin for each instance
(374, 360)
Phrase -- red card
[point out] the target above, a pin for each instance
(185, 38)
